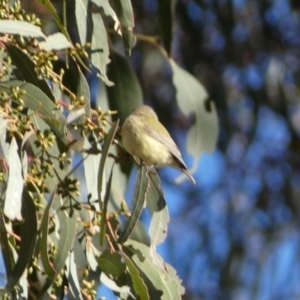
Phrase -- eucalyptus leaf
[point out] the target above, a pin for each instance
(22, 28)
(52, 180)
(157, 280)
(76, 116)
(111, 263)
(25, 165)
(67, 233)
(56, 41)
(159, 216)
(193, 98)
(74, 132)
(91, 253)
(102, 97)
(109, 12)
(44, 228)
(57, 92)
(119, 182)
(140, 233)
(126, 94)
(26, 138)
(83, 91)
(123, 9)
(158, 232)
(4, 146)
(13, 197)
(111, 284)
(91, 165)
(79, 254)
(39, 102)
(5, 249)
(139, 199)
(72, 275)
(107, 143)
(91, 29)
(23, 286)
(27, 68)
(139, 285)
(81, 7)
(60, 25)
(64, 243)
(54, 13)
(99, 48)
(28, 233)
(104, 207)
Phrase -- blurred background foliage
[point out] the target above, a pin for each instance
(235, 235)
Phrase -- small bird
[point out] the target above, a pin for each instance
(145, 137)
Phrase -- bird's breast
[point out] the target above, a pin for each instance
(138, 142)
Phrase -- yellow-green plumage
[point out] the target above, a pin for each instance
(145, 137)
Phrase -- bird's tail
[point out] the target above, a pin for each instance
(190, 177)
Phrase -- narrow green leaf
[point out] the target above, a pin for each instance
(57, 92)
(72, 275)
(139, 285)
(111, 264)
(39, 102)
(74, 134)
(44, 228)
(81, 7)
(13, 197)
(156, 279)
(22, 28)
(6, 253)
(139, 198)
(67, 233)
(28, 235)
(23, 286)
(160, 217)
(108, 142)
(61, 26)
(91, 29)
(54, 13)
(123, 9)
(126, 94)
(140, 233)
(56, 41)
(99, 48)
(192, 98)
(155, 197)
(83, 90)
(104, 208)
(158, 232)
(101, 96)
(91, 253)
(4, 146)
(52, 181)
(166, 16)
(112, 285)
(26, 138)
(24, 164)
(79, 256)
(91, 165)
(27, 68)
(76, 116)
(108, 11)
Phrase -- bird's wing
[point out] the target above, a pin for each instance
(168, 142)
